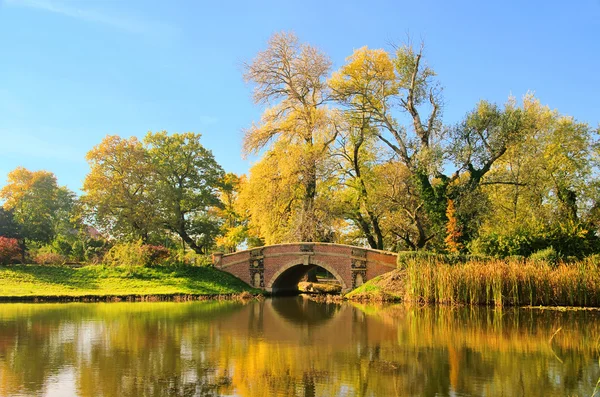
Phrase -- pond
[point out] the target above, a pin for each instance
(294, 347)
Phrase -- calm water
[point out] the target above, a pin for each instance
(294, 347)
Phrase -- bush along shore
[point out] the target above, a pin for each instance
(438, 279)
(43, 283)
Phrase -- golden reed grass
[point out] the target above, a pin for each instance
(503, 283)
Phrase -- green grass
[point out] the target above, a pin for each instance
(102, 281)
(387, 287)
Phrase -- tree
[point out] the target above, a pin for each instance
(234, 230)
(38, 205)
(186, 188)
(373, 83)
(545, 186)
(357, 158)
(290, 78)
(118, 189)
(8, 226)
(167, 183)
(403, 218)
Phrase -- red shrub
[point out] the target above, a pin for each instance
(156, 253)
(9, 250)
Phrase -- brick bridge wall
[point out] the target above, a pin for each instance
(277, 267)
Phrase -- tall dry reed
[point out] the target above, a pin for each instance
(503, 283)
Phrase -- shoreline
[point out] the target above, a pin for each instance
(172, 297)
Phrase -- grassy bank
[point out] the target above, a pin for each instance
(389, 287)
(491, 282)
(89, 282)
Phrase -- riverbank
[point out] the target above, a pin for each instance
(487, 282)
(389, 287)
(42, 283)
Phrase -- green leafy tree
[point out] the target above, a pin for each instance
(186, 187)
(543, 192)
(8, 226)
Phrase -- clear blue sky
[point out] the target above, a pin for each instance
(74, 71)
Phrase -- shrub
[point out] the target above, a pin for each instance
(498, 245)
(62, 245)
(191, 258)
(432, 257)
(9, 250)
(569, 239)
(46, 255)
(547, 255)
(94, 250)
(156, 253)
(136, 254)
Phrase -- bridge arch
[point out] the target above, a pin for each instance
(280, 275)
(278, 267)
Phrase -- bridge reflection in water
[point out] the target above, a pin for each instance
(294, 347)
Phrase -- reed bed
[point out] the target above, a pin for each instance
(503, 283)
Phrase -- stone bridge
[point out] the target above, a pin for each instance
(278, 268)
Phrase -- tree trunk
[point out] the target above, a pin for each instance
(311, 276)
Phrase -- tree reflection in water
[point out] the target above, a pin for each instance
(294, 347)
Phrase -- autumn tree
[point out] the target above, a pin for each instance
(272, 197)
(290, 79)
(118, 193)
(234, 228)
(374, 83)
(357, 157)
(403, 218)
(453, 232)
(38, 205)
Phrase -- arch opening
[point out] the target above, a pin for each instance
(286, 280)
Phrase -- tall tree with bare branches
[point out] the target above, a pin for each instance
(377, 84)
(290, 80)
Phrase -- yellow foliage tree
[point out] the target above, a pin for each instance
(290, 78)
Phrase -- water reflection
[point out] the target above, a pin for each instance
(293, 347)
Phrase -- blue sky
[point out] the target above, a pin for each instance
(74, 71)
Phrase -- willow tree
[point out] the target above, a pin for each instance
(290, 81)
(546, 185)
(375, 83)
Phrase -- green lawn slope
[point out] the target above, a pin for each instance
(30, 281)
